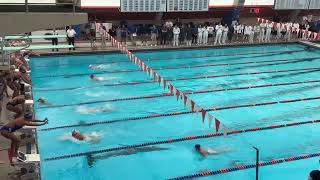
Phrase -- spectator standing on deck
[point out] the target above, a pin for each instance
(153, 32)
(124, 32)
(71, 33)
(55, 40)
(205, 34)
(314, 175)
(230, 33)
(219, 30)
(194, 34)
(262, 32)
(225, 34)
(200, 35)
(268, 33)
(183, 33)
(210, 33)
(189, 35)
(251, 34)
(164, 33)
(103, 34)
(176, 32)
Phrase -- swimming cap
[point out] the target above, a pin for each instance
(28, 116)
(315, 175)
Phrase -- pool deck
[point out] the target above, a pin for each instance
(82, 48)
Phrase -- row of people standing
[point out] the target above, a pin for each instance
(193, 34)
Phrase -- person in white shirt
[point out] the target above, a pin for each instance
(247, 32)
(256, 30)
(236, 29)
(225, 34)
(289, 31)
(176, 32)
(251, 34)
(218, 34)
(210, 33)
(200, 34)
(205, 35)
(70, 36)
(262, 32)
(103, 34)
(279, 28)
(268, 33)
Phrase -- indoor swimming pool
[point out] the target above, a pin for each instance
(145, 133)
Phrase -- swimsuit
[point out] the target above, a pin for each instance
(10, 129)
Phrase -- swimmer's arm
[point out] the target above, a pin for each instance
(27, 123)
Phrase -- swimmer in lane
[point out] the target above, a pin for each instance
(207, 152)
(126, 152)
(92, 137)
(95, 78)
(43, 101)
(99, 67)
(85, 110)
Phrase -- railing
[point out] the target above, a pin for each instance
(74, 3)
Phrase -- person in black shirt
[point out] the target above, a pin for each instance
(189, 35)
(182, 35)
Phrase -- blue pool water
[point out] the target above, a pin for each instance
(64, 82)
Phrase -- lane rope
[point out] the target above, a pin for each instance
(179, 79)
(187, 93)
(188, 138)
(155, 59)
(180, 113)
(243, 167)
(286, 61)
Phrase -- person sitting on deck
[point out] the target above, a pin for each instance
(8, 130)
(12, 105)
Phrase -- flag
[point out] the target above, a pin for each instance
(210, 120)
(159, 80)
(154, 76)
(217, 122)
(185, 99)
(225, 130)
(149, 71)
(192, 106)
(171, 89)
(178, 94)
(203, 112)
(164, 84)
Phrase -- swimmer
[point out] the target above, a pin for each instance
(126, 152)
(43, 101)
(205, 152)
(84, 110)
(92, 137)
(314, 175)
(95, 78)
(99, 67)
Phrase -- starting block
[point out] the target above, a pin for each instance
(29, 164)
